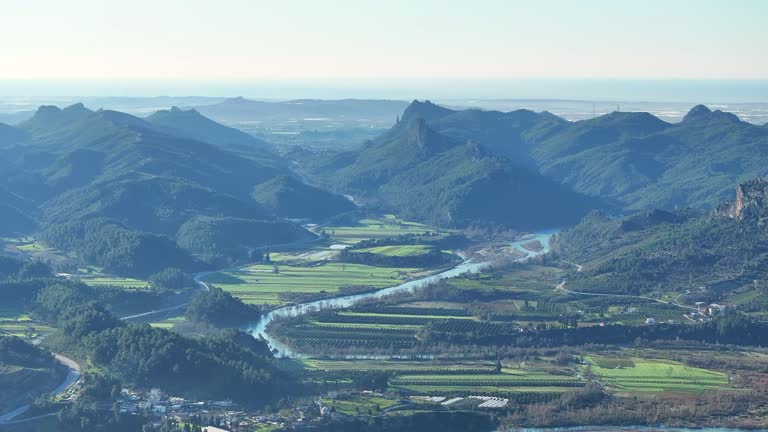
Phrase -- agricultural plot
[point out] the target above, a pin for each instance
(509, 381)
(31, 247)
(21, 325)
(397, 250)
(400, 366)
(311, 338)
(528, 283)
(304, 257)
(265, 283)
(638, 375)
(120, 282)
(168, 323)
(377, 228)
(359, 404)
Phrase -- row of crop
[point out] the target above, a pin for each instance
(352, 333)
(349, 342)
(374, 319)
(409, 310)
(470, 326)
(487, 382)
(524, 316)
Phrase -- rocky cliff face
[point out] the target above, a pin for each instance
(751, 201)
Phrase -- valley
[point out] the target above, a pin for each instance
(399, 304)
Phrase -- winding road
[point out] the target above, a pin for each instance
(561, 287)
(73, 375)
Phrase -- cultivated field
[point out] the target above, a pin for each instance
(377, 228)
(398, 250)
(13, 323)
(120, 282)
(639, 375)
(265, 283)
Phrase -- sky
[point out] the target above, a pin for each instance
(305, 41)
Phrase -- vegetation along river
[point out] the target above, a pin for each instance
(468, 265)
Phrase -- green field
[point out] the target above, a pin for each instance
(261, 284)
(14, 324)
(304, 257)
(395, 365)
(31, 247)
(655, 376)
(393, 315)
(377, 228)
(510, 380)
(530, 282)
(397, 250)
(168, 323)
(127, 283)
(367, 325)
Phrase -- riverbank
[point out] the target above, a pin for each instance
(469, 265)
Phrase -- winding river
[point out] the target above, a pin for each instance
(260, 329)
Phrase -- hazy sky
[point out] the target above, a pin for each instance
(292, 39)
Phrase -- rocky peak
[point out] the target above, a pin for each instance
(751, 201)
(701, 112)
(424, 110)
(420, 135)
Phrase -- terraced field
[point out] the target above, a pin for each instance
(263, 284)
(22, 325)
(637, 375)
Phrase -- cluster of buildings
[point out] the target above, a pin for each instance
(706, 311)
(225, 415)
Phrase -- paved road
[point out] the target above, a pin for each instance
(73, 375)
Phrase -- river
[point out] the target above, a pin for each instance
(260, 329)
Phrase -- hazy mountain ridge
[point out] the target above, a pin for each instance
(722, 250)
(191, 124)
(288, 197)
(422, 174)
(76, 165)
(632, 158)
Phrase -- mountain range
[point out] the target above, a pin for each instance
(71, 171)
(621, 161)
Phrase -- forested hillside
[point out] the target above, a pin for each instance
(630, 161)
(714, 256)
(424, 175)
(116, 189)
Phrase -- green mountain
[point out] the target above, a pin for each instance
(193, 125)
(118, 248)
(717, 256)
(288, 197)
(135, 181)
(235, 237)
(425, 175)
(10, 136)
(633, 159)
